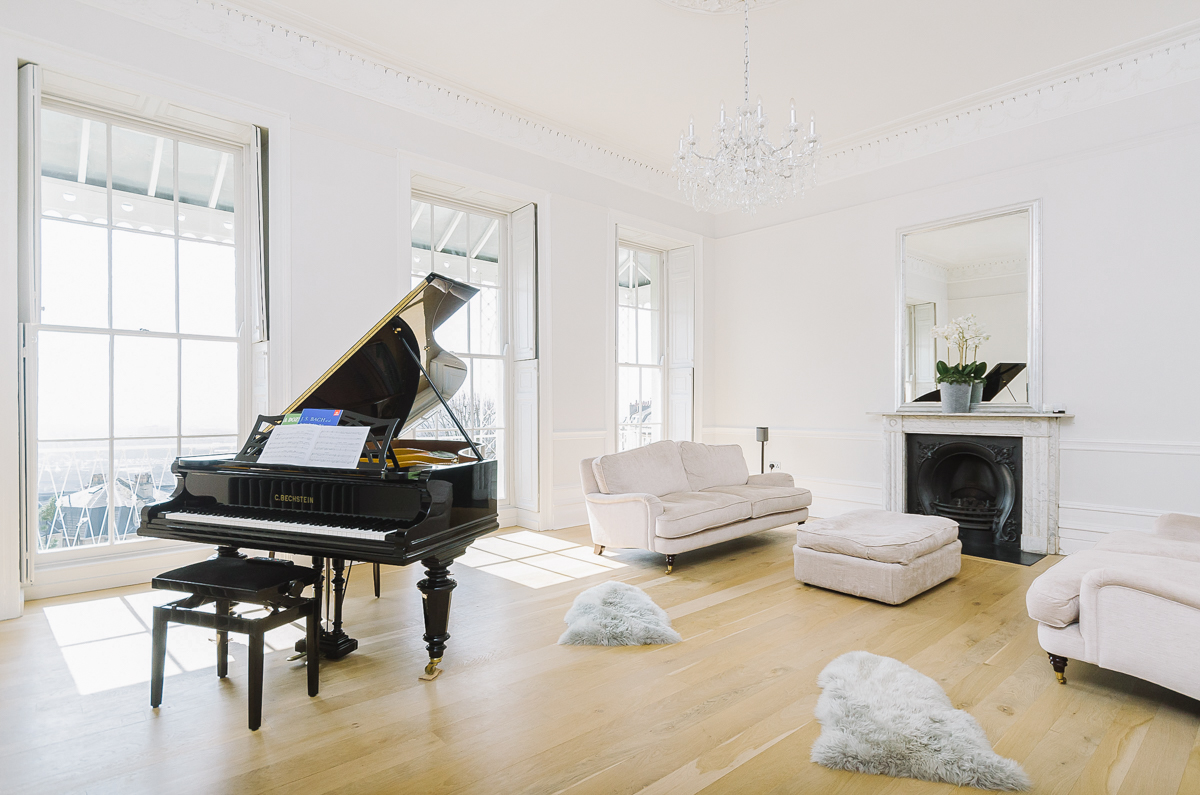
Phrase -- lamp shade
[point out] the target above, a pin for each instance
(761, 434)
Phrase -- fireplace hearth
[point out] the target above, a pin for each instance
(974, 480)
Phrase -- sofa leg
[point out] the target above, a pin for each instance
(599, 549)
(1060, 668)
(670, 563)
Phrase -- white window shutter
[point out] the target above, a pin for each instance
(681, 315)
(29, 95)
(523, 225)
(523, 230)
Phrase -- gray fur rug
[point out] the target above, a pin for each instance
(880, 716)
(616, 614)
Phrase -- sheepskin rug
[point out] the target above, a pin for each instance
(880, 716)
(616, 614)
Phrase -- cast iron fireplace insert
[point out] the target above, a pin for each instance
(974, 480)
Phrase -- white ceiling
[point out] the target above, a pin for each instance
(628, 73)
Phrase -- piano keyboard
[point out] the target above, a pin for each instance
(309, 528)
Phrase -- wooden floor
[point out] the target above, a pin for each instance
(728, 710)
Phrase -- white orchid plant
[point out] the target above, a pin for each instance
(965, 333)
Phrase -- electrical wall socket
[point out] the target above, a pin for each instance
(773, 465)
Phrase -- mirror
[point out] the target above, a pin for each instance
(973, 275)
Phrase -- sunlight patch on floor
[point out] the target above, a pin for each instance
(106, 642)
(536, 560)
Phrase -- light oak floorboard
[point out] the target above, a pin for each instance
(727, 710)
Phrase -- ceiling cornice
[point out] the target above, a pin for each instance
(1148, 64)
(718, 6)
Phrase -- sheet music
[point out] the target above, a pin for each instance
(290, 444)
(337, 446)
(331, 446)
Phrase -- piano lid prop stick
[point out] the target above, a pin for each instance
(436, 391)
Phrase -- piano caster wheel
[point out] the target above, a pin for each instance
(670, 563)
(431, 670)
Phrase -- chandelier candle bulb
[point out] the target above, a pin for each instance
(793, 113)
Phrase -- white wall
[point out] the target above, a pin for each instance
(341, 161)
(803, 337)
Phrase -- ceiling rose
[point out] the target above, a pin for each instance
(718, 6)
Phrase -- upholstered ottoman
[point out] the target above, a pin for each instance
(881, 555)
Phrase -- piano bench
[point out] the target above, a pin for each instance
(225, 581)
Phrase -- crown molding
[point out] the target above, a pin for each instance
(717, 6)
(327, 60)
(1148, 64)
(949, 272)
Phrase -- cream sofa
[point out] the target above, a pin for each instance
(672, 497)
(1130, 604)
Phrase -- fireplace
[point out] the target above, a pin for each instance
(968, 481)
(974, 480)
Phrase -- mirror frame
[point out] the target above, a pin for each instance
(1033, 320)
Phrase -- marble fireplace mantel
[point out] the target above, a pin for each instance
(1039, 461)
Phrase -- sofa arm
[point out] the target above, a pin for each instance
(1144, 624)
(623, 520)
(771, 479)
(1178, 526)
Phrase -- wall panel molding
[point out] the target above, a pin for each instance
(1130, 446)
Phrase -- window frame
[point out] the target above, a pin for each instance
(247, 265)
(663, 347)
(508, 310)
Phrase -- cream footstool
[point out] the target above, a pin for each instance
(881, 555)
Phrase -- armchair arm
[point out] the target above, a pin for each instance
(1178, 526)
(623, 520)
(1144, 623)
(771, 479)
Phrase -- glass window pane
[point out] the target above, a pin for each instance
(626, 334)
(74, 274)
(210, 387)
(452, 334)
(142, 180)
(207, 289)
(628, 395)
(486, 330)
(487, 384)
(651, 394)
(202, 174)
(143, 268)
(422, 264)
(647, 337)
(450, 230)
(421, 220)
(484, 272)
(72, 385)
(72, 494)
(449, 265)
(145, 386)
(62, 136)
(484, 239)
(211, 445)
(206, 223)
(69, 199)
(142, 475)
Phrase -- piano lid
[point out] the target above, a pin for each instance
(379, 378)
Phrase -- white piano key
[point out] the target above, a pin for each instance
(266, 524)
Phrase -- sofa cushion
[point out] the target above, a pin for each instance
(1134, 542)
(690, 512)
(710, 465)
(766, 500)
(1053, 598)
(885, 536)
(654, 469)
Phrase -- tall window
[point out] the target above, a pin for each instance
(639, 347)
(468, 245)
(138, 324)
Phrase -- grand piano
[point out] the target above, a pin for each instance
(408, 500)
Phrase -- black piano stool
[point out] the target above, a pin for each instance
(227, 580)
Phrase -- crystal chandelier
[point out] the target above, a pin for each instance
(745, 169)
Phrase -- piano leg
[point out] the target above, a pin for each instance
(435, 602)
(337, 644)
(375, 576)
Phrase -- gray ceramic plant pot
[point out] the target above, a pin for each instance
(976, 392)
(956, 398)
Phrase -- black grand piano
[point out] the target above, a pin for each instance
(408, 500)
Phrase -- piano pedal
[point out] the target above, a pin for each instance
(300, 655)
(431, 671)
